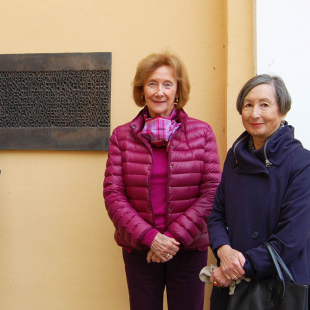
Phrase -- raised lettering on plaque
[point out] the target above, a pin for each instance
(55, 101)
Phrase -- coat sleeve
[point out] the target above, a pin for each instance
(128, 223)
(217, 226)
(293, 229)
(189, 226)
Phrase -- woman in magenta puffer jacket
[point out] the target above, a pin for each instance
(161, 176)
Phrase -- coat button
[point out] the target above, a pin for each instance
(169, 187)
(255, 234)
(169, 209)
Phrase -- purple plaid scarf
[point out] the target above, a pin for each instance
(158, 130)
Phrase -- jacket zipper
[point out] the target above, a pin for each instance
(236, 146)
(267, 162)
(169, 173)
(168, 183)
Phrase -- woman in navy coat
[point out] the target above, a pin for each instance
(264, 194)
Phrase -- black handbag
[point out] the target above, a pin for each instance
(263, 294)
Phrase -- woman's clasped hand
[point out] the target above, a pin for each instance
(231, 267)
(162, 249)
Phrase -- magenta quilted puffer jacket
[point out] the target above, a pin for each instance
(194, 174)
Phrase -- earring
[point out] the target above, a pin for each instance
(177, 100)
(282, 123)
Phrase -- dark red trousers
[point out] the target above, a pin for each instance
(147, 281)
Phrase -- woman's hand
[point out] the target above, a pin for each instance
(163, 247)
(218, 278)
(232, 262)
(152, 257)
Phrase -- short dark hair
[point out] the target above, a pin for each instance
(149, 64)
(283, 97)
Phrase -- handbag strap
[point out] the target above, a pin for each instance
(275, 262)
(280, 261)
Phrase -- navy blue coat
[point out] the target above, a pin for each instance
(264, 195)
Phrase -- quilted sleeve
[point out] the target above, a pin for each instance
(126, 220)
(189, 226)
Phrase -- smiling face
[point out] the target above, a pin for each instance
(160, 91)
(261, 116)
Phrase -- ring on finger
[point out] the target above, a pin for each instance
(234, 277)
(169, 256)
(215, 283)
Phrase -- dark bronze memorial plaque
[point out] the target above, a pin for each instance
(55, 101)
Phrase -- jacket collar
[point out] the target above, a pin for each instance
(274, 151)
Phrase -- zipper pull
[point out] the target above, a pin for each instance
(267, 162)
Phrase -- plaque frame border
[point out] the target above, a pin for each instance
(56, 138)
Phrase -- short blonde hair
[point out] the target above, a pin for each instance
(149, 64)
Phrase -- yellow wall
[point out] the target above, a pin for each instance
(56, 242)
(240, 60)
